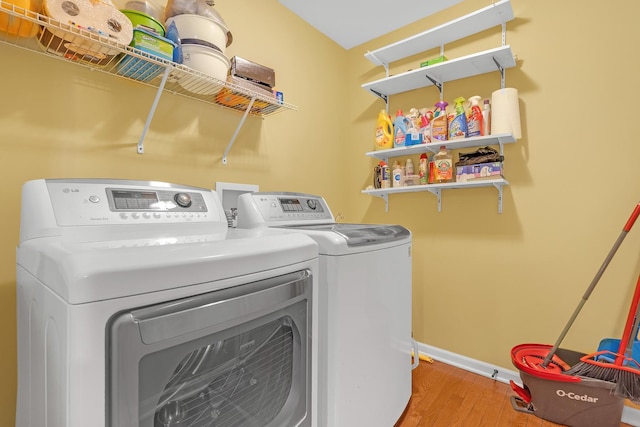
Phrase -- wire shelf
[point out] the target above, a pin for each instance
(38, 33)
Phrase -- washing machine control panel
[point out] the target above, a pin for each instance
(75, 202)
(281, 209)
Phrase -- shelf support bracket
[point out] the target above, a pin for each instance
(167, 70)
(438, 193)
(235, 134)
(436, 84)
(380, 95)
(501, 69)
(499, 188)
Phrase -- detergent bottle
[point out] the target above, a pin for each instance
(414, 136)
(439, 127)
(475, 120)
(426, 116)
(399, 130)
(458, 125)
(384, 131)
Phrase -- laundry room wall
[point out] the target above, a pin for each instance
(484, 282)
(59, 119)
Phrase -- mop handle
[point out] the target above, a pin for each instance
(627, 227)
(629, 326)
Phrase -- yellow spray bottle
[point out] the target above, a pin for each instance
(384, 131)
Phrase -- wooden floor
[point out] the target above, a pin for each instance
(445, 396)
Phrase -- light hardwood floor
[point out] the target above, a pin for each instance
(445, 396)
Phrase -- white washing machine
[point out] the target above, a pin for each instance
(365, 339)
(138, 307)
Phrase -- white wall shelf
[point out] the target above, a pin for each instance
(499, 59)
(239, 98)
(454, 69)
(496, 14)
(452, 144)
(436, 189)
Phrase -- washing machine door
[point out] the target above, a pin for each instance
(234, 357)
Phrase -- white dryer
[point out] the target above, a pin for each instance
(364, 304)
(137, 307)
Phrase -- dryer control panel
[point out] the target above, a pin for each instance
(52, 207)
(267, 209)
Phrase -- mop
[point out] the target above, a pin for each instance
(624, 371)
(592, 285)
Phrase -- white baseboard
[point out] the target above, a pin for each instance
(629, 415)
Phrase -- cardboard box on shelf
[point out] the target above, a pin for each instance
(480, 171)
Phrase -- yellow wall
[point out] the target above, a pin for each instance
(483, 281)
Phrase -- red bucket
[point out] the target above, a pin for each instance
(550, 394)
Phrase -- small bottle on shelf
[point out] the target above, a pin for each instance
(423, 168)
(408, 167)
(397, 174)
(486, 118)
(384, 175)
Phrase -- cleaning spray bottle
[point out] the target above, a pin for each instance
(384, 131)
(425, 126)
(458, 125)
(439, 128)
(475, 119)
(399, 129)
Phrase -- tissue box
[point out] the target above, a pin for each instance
(479, 172)
(437, 60)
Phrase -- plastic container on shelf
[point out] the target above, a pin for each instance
(414, 136)
(458, 124)
(408, 167)
(384, 131)
(475, 120)
(384, 175)
(486, 118)
(423, 168)
(399, 129)
(21, 27)
(439, 125)
(443, 166)
(397, 174)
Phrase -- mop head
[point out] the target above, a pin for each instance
(625, 375)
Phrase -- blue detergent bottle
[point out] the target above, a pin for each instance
(399, 130)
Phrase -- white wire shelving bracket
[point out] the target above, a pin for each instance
(32, 31)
